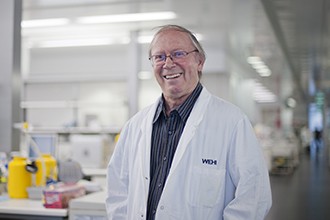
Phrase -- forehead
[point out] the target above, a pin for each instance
(171, 40)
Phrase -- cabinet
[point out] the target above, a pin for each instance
(89, 207)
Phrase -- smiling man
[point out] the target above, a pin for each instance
(176, 62)
(190, 155)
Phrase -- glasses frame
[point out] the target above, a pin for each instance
(171, 56)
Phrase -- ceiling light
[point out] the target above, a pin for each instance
(259, 66)
(44, 22)
(253, 59)
(150, 16)
(265, 72)
(76, 42)
(262, 95)
(82, 42)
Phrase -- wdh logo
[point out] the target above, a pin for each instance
(209, 161)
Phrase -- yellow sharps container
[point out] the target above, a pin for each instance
(18, 178)
(51, 170)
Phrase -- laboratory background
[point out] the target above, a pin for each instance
(72, 72)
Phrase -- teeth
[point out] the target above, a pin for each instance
(172, 76)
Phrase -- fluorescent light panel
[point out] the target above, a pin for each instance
(82, 42)
(45, 22)
(149, 16)
(253, 60)
(76, 42)
(262, 95)
(260, 67)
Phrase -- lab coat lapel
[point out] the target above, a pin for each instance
(145, 145)
(193, 121)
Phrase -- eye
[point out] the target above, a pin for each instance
(179, 54)
(159, 57)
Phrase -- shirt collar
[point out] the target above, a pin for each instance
(159, 109)
(184, 109)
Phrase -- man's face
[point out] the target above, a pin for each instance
(178, 77)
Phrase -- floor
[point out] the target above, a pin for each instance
(304, 194)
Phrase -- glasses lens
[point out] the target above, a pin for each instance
(179, 54)
(158, 58)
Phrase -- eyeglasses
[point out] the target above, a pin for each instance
(175, 56)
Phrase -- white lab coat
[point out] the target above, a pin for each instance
(218, 171)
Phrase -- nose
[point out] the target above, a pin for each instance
(168, 62)
(168, 56)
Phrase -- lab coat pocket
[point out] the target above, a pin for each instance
(206, 186)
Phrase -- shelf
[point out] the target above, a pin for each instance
(64, 78)
(73, 130)
(68, 104)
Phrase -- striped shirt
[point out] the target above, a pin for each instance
(166, 134)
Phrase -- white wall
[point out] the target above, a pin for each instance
(79, 61)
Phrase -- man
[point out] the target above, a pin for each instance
(191, 155)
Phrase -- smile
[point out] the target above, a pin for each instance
(172, 76)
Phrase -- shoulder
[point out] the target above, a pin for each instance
(221, 106)
(144, 114)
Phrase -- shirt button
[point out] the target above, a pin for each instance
(165, 158)
(159, 185)
(169, 132)
(154, 211)
(162, 207)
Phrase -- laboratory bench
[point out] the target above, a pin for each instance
(90, 206)
(28, 209)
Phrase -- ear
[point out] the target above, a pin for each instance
(200, 64)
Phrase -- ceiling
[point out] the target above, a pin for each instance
(301, 27)
(290, 35)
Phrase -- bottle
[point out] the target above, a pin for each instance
(50, 173)
(3, 168)
(19, 179)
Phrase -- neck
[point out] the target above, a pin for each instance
(171, 104)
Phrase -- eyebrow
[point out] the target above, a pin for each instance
(163, 52)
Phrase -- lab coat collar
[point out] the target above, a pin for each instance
(193, 121)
